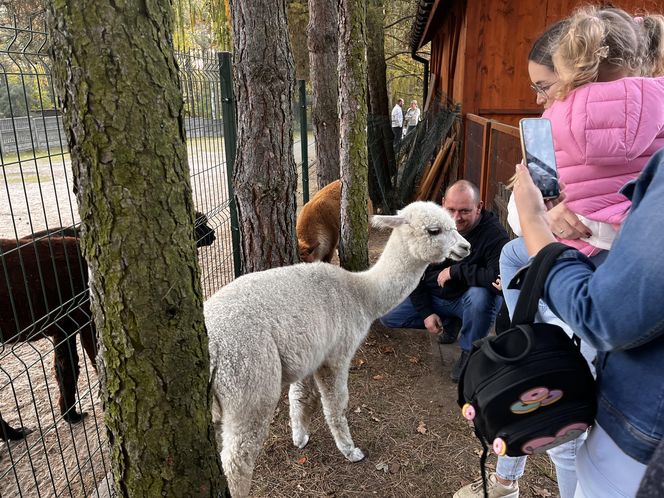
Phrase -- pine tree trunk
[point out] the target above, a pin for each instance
(379, 129)
(323, 41)
(118, 83)
(264, 178)
(353, 247)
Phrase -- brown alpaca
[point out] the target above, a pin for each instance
(319, 223)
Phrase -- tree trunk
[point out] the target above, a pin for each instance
(323, 42)
(118, 83)
(264, 178)
(353, 247)
(379, 129)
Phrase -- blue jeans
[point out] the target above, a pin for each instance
(605, 470)
(477, 308)
(514, 256)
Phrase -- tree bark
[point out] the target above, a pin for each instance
(379, 129)
(118, 83)
(323, 42)
(264, 178)
(353, 247)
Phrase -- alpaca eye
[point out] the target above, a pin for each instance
(433, 231)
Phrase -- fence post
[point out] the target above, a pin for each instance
(230, 145)
(304, 141)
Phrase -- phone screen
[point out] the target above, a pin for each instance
(538, 151)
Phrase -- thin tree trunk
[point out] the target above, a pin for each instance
(264, 178)
(379, 129)
(323, 42)
(118, 83)
(353, 247)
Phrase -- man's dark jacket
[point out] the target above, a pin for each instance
(478, 269)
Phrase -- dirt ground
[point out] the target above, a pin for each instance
(403, 414)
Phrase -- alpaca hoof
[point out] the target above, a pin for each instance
(14, 434)
(355, 455)
(301, 441)
(73, 417)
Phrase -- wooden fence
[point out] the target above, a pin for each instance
(491, 151)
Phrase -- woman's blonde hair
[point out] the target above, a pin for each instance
(653, 47)
(598, 39)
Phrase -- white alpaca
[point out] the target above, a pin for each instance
(285, 325)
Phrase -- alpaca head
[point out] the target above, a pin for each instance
(428, 231)
(307, 251)
(204, 235)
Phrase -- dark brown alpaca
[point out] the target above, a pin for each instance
(44, 293)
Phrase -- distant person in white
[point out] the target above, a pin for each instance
(412, 118)
(397, 121)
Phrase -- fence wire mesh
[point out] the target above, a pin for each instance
(43, 278)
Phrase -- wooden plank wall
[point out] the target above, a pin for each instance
(479, 51)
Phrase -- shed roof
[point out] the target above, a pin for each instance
(420, 31)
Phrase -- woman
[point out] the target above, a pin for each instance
(617, 309)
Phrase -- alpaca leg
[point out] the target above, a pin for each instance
(244, 432)
(89, 343)
(247, 398)
(333, 386)
(8, 433)
(66, 369)
(304, 400)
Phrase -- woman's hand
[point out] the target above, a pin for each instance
(565, 224)
(532, 211)
(528, 198)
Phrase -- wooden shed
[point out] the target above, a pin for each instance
(479, 51)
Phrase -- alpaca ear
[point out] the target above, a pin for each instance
(384, 221)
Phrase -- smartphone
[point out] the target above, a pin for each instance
(539, 155)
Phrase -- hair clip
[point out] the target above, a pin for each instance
(638, 20)
(602, 52)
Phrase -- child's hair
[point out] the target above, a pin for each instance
(653, 44)
(598, 39)
(543, 48)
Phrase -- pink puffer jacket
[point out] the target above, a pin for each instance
(604, 133)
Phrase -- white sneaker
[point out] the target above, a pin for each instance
(494, 488)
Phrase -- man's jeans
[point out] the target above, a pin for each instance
(514, 256)
(477, 308)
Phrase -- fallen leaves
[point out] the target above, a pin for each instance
(392, 468)
(378, 377)
(414, 359)
(543, 492)
(422, 428)
(302, 460)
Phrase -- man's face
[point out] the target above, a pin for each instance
(400, 102)
(463, 209)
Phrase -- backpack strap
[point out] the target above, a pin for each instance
(532, 288)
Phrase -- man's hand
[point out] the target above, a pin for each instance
(444, 276)
(433, 323)
(498, 283)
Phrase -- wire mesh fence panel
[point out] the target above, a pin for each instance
(47, 339)
(201, 89)
(48, 382)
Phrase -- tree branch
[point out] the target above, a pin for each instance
(398, 21)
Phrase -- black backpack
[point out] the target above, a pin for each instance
(529, 388)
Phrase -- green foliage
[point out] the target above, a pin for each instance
(404, 75)
(203, 24)
(20, 95)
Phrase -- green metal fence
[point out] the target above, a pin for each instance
(58, 458)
